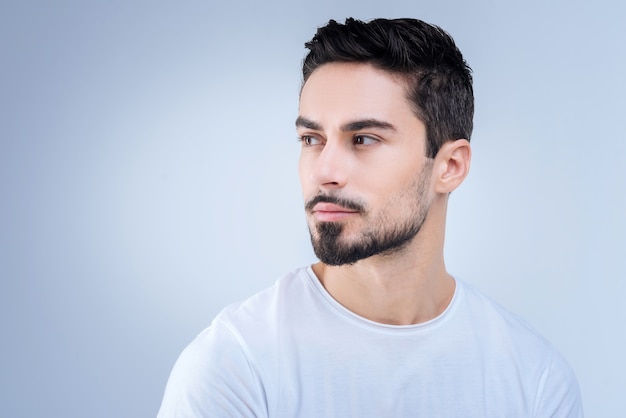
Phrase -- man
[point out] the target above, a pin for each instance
(377, 328)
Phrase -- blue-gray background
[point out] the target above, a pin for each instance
(148, 178)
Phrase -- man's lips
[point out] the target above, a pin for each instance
(330, 207)
(330, 212)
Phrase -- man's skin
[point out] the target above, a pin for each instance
(362, 141)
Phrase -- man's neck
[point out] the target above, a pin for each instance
(408, 287)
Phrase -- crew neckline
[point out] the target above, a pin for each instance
(363, 322)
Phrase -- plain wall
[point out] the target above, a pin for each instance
(148, 178)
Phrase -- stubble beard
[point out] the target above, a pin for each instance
(386, 237)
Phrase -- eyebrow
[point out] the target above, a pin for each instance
(356, 125)
(307, 123)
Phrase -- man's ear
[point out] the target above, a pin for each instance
(452, 164)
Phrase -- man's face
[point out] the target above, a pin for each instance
(363, 169)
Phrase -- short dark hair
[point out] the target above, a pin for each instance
(439, 81)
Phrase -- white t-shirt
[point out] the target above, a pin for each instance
(293, 351)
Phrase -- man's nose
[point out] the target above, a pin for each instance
(331, 166)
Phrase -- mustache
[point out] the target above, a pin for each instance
(346, 203)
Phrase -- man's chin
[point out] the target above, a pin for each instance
(338, 254)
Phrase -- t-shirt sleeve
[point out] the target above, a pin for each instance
(560, 395)
(213, 378)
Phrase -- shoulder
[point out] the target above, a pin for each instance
(253, 323)
(491, 317)
(212, 377)
(217, 374)
(506, 338)
(502, 329)
(266, 306)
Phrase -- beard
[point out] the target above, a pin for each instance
(389, 232)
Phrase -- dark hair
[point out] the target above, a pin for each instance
(439, 81)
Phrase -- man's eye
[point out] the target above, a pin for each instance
(309, 140)
(364, 140)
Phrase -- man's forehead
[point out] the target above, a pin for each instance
(348, 92)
